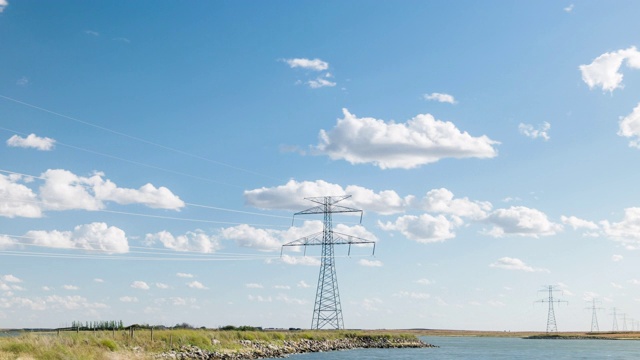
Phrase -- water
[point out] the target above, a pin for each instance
(480, 348)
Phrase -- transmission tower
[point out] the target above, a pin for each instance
(594, 315)
(624, 322)
(615, 320)
(327, 311)
(551, 316)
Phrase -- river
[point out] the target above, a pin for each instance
(487, 348)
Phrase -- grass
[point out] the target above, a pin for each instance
(106, 345)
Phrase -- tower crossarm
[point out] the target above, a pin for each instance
(338, 239)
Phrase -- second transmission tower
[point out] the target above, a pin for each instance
(551, 315)
(594, 315)
(327, 310)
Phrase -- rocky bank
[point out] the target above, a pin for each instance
(262, 350)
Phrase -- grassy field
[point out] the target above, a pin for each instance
(107, 345)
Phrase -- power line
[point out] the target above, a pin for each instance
(145, 141)
(132, 161)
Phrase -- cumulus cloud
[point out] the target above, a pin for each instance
(388, 145)
(162, 286)
(442, 201)
(140, 285)
(197, 285)
(370, 263)
(309, 64)
(629, 127)
(521, 221)
(423, 229)
(617, 258)
(424, 282)
(412, 295)
(303, 284)
(70, 287)
(254, 286)
(626, 231)
(540, 132)
(128, 299)
(3, 5)
(96, 236)
(297, 260)
(64, 190)
(320, 83)
(439, 97)
(514, 264)
(604, 71)
(6, 242)
(291, 196)
(569, 8)
(17, 199)
(184, 275)
(196, 241)
(32, 141)
(11, 279)
(577, 223)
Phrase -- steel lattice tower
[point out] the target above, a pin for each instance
(594, 315)
(615, 321)
(327, 311)
(551, 315)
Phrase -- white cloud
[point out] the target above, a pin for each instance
(7, 242)
(290, 301)
(617, 258)
(92, 33)
(128, 299)
(98, 280)
(140, 285)
(569, 8)
(442, 201)
(616, 285)
(626, 231)
(424, 282)
(91, 237)
(315, 64)
(423, 229)
(370, 263)
(495, 303)
(254, 286)
(421, 140)
(11, 279)
(515, 264)
(297, 260)
(412, 295)
(630, 127)
(534, 133)
(197, 285)
(196, 241)
(3, 5)
(291, 196)
(282, 287)
(320, 83)
(23, 81)
(64, 190)
(32, 141)
(70, 287)
(260, 298)
(162, 286)
(184, 275)
(303, 284)
(17, 199)
(521, 221)
(604, 70)
(577, 223)
(439, 97)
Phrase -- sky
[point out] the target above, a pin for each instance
(153, 153)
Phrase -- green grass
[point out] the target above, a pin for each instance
(105, 344)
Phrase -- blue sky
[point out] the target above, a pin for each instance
(153, 154)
